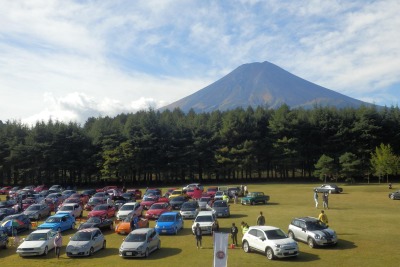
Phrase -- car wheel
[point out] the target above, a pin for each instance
(104, 244)
(176, 230)
(46, 250)
(311, 242)
(146, 253)
(291, 235)
(246, 247)
(158, 245)
(81, 214)
(270, 254)
(91, 251)
(330, 192)
(264, 202)
(29, 226)
(392, 197)
(49, 214)
(73, 226)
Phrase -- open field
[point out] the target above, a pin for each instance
(365, 219)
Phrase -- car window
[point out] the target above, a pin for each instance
(252, 232)
(260, 234)
(275, 234)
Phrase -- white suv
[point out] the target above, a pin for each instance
(269, 240)
(72, 208)
(206, 219)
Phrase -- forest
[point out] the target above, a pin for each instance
(235, 146)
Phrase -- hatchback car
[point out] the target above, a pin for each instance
(157, 209)
(62, 221)
(221, 208)
(86, 242)
(203, 201)
(38, 211)
(329, 188)
(206, 219)
(101, 223)
(169, 223)
(140, 243)
(128, 208)
(271, 241)
(394, 195)
(132, 219)
(190, 209)
(39, 242)
(74, 209)
(177, 202)
(312, 231)
(102, 210)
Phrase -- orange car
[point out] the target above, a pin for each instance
(124, 227)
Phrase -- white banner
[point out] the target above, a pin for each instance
(221, 249)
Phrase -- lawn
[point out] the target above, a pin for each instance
(363, 216)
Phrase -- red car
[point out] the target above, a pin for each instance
(4, 190)
(27, 202)
(93, 202)
(148, 201)
(40, 188)
(157, 209)
(84, 198)
(136, 192)
(104, 189)
(51, 204)
(102, 210)
(211, 191)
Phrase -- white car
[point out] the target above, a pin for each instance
(128, 208)
(85, 242)
(38, 242)
(271, 241)
(72, 208)
(140, 243)
(206, 219)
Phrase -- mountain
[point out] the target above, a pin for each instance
(262, 84)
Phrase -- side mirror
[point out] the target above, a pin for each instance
(262, 238)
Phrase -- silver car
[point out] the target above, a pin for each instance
(312, 231)
(38, 211)
(85, 242)
(189, 210)
(140, 243)
(39, 242)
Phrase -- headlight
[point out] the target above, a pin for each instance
(140, 247)
(317, 236)
(277, 245)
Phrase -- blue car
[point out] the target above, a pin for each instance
(169, 223)
(61, 221)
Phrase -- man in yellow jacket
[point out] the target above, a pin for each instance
(323, 217)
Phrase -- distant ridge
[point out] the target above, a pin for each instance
(262, 84)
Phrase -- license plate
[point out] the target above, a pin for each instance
(129, 254)
(291, 252)
(164, 231)
(123, 232)
(219, 214)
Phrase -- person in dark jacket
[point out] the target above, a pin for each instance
(199, 235)
(234, 232)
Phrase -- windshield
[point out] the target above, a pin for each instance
(82, 236)
(167, 218)
(157, 206)
(33, 207)
(36, 237)
(175, 199)
(220, 204)
(94, 200)
(127, 207)
(100, 207)
(53, 219)
(316, 225)
(135, 238)
(275, 234)
(94, 220)
(67, 208)
(204, 219)
(189, 206)
(150, 199)
(204, 199)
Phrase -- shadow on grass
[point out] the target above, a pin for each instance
(159, 254)
(344, 244)
(236, 216)
(303, 257)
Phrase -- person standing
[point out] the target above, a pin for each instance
(325, 199)
(323, 218)
(199, 235)
(234, 232)
(58, 244)
(245, 190)
(316, 198)
(260, 219)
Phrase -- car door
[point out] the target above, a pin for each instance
(50, 237)
(302, 233)
(179, 221)
(152, 240)
(98, 241)
(64, 223)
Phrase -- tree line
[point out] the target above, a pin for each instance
(170, 147)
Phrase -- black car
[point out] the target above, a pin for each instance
(130, 196)
(89, 192)
(102, 224)
(119, 201)
(177, 202)
(394, 195)
(21, 223)
(7, 204)
(329, 188)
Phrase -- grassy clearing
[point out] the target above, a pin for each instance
(364, 218)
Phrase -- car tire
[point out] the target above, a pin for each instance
(176, 230)
(392, 197)
(91, 251)
(73, 226)
(311, 242)
(291, 235)
(330, 191)
(104, 244)
(246, 247)
(146, 254)
(269, 253)
(81, 214)
(46, 251)
(158, 245)
(111, 226)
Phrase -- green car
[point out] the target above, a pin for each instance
(255, 197)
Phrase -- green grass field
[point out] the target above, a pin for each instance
(363, 216)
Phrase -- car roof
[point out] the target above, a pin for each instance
(42, 231)
(307, 219)
(142, 230)
(205, 212)
(174, 213)
(264, 227)
(61, 215)
(88, 229)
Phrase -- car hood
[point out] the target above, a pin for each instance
(87, 225)
(78, 243)
(131, 245)
(30, 212)
(165, 224)
(155, 211)
(32, 244)
(216, 209)
(325, 232)
(124, 212)
(95, 213)
(49, 225)
(285, 242)
(124, 226)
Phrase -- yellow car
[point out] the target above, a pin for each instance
(177, 193)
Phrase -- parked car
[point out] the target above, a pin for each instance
(394, 195)
(157, 209)
(271, 241)
(38, 211)
(206, 219)
(312, 231)
(103, 195)
(330, 188)
(4, 190)
(203, 201)
(190, 209)
(129, 196)
(212, 190)
(89, 192)
(4, 212)
(86, 242)
(74, 209)
(140, 243)
(84, 198)
(153, 192)
(104, 189)
(221, 208)
(93, 202)
(219, 195)
(16, 223)
(147, 201)
(3, 238)
(57, 188)
(177, 193)
(40, 188)
(102, 210)
(232, 190)
(62, 221)
(128, 208)
(101, 223)
(71, 201)
(124, 227)
(136, 192)
(169, 223)
(254, 198)
(39, 242)
(7, 203)
(177, 202)
(119, 201)
(193, 186)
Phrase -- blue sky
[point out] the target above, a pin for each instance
(69, 60)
